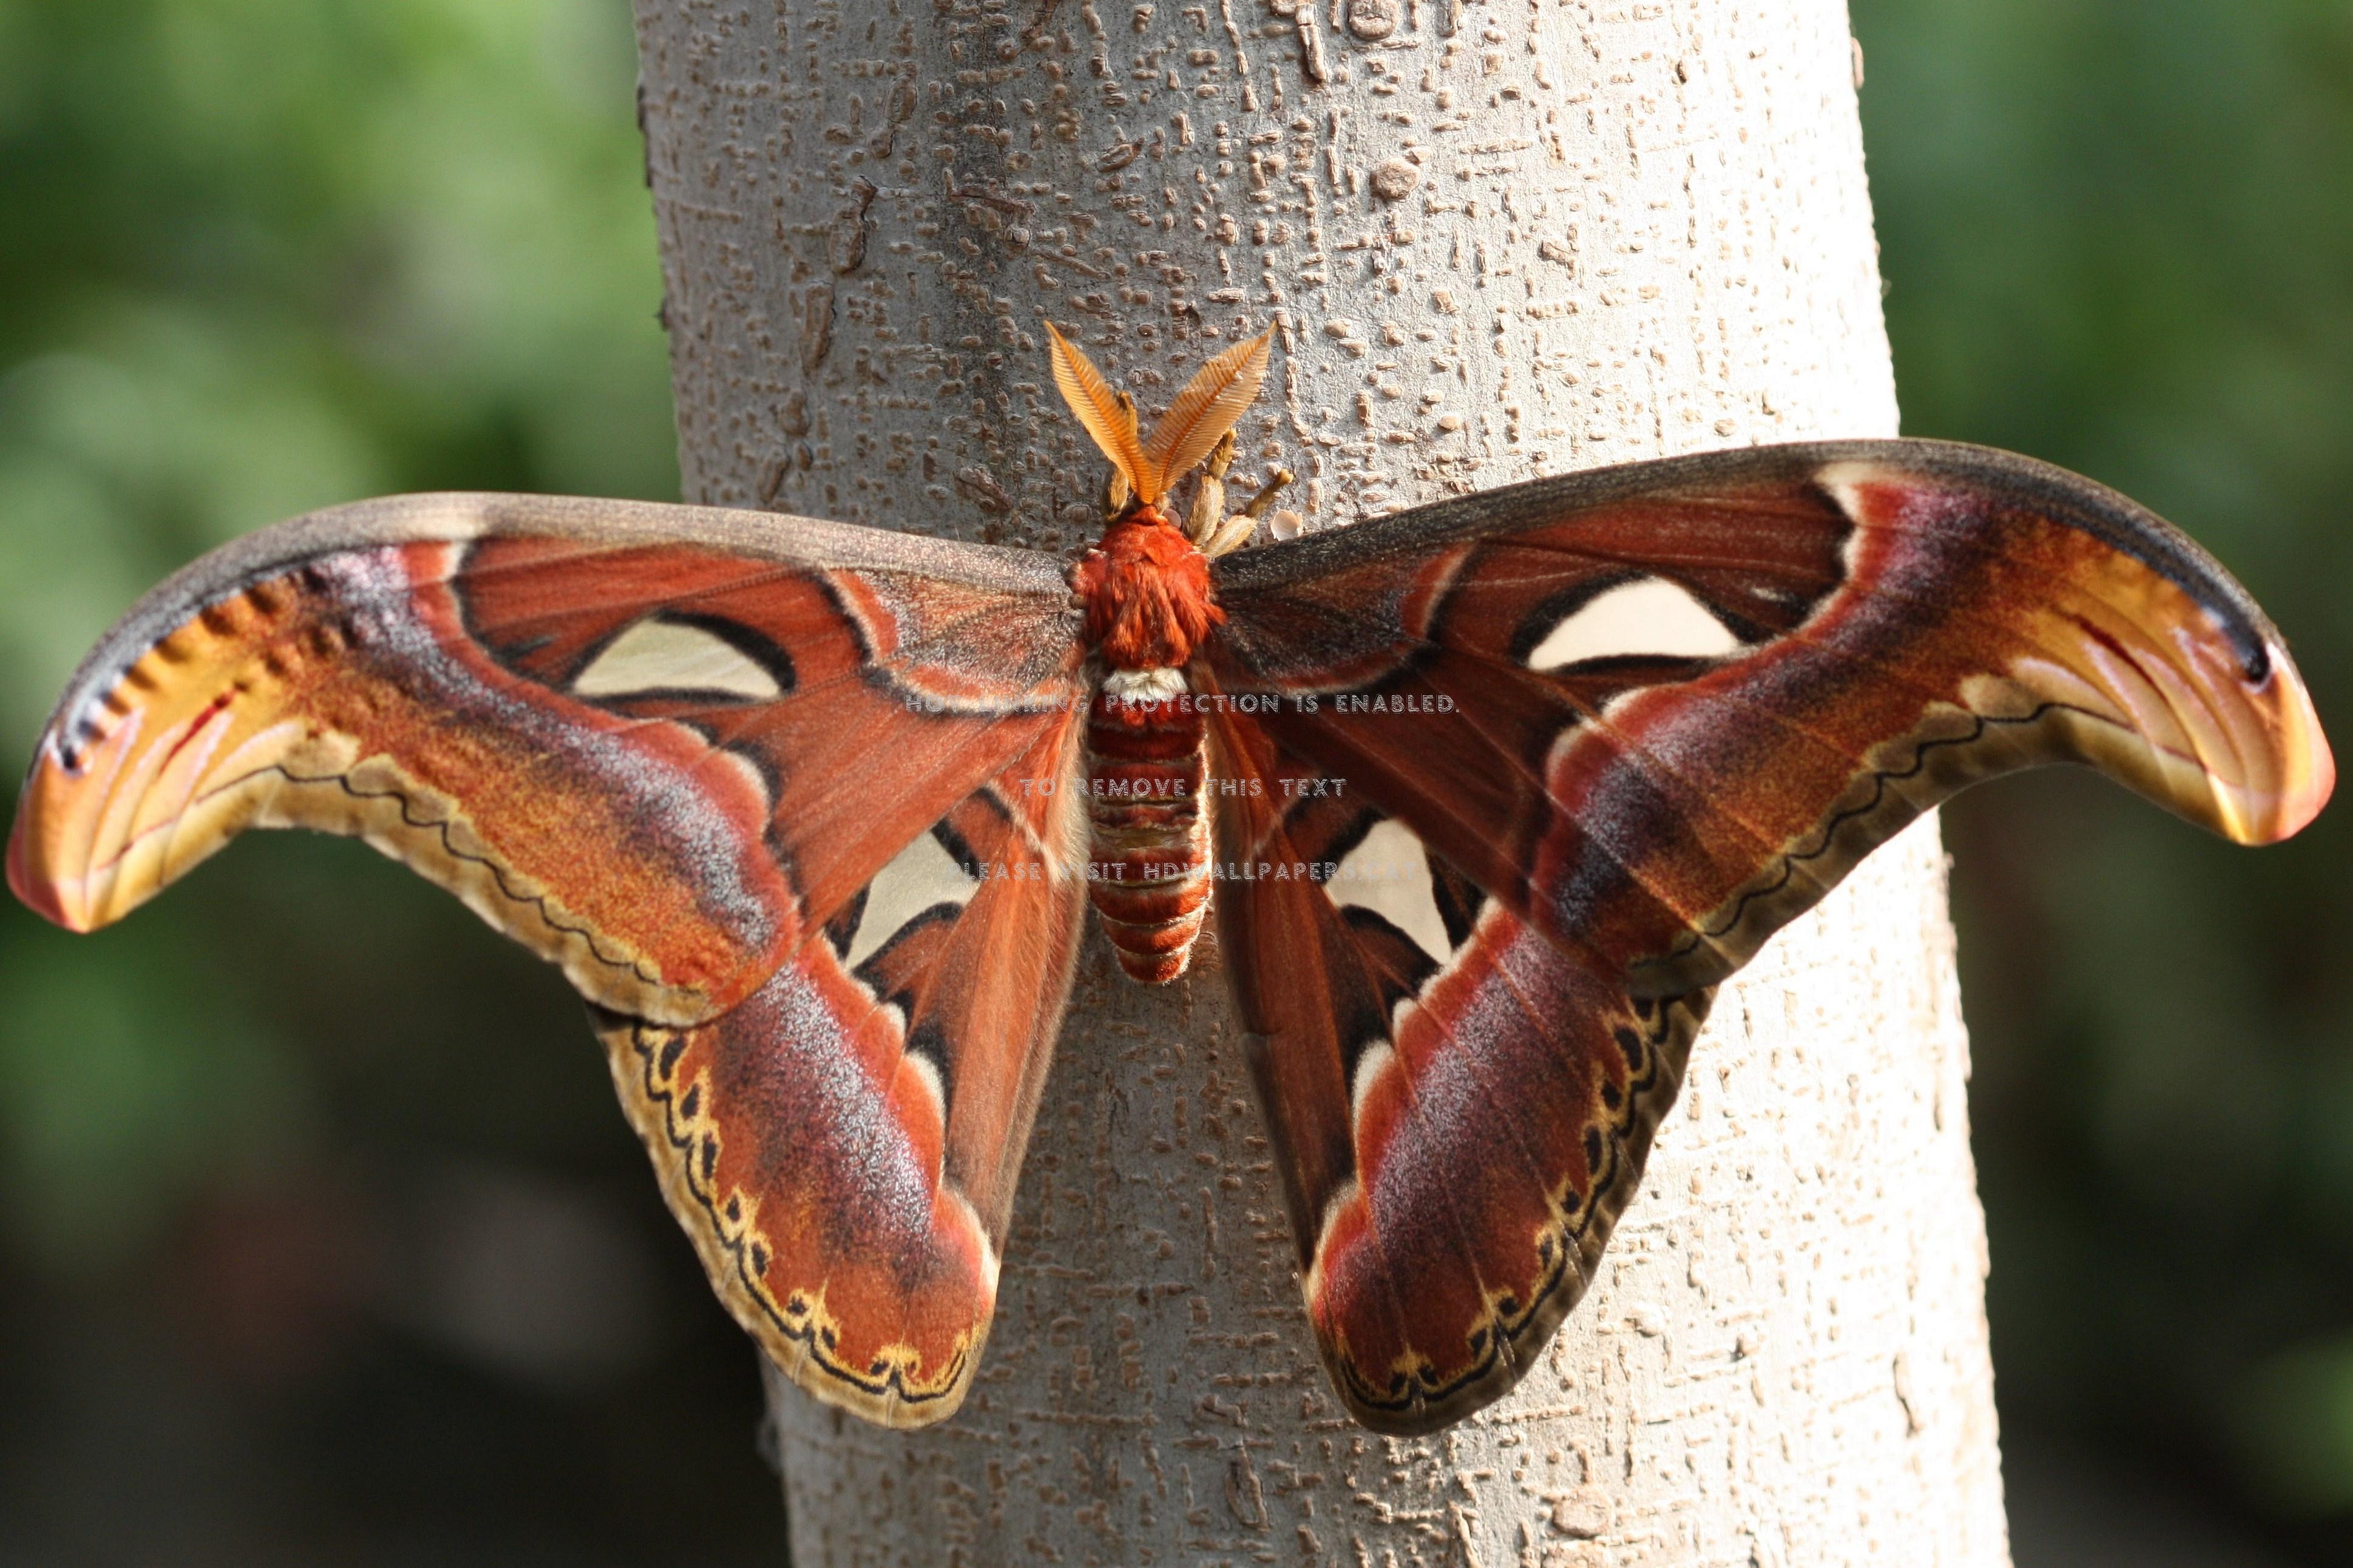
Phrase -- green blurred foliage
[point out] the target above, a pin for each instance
(256, 257)
(263, 256)
(2118, 234)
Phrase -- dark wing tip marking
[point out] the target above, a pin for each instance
(2000, 482)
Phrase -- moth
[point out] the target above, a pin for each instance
(1485, 799)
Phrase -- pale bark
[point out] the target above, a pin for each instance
(1498, 240)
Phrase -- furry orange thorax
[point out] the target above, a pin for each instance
(1145, 589)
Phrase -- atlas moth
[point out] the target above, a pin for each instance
(1485, 798)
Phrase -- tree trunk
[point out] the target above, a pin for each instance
(1497, 241)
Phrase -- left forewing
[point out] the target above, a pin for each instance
(652, 743)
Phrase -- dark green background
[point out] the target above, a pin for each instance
(320, 1237)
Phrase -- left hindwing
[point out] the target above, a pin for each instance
(1509, 785)
(843, 1146)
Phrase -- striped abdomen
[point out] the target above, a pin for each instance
(1148, 849)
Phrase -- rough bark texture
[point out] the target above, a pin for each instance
(1498, 239)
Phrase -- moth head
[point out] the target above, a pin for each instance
(1212, 403)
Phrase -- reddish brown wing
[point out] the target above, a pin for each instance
(763, 787)
(843, 1145)
(1460, 1109)
(1557, 759)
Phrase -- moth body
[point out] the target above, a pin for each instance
(1144, 591)
(1148, 844)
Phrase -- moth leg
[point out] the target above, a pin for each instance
(1236, 531)
(1267, 492)
(1208, 513)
